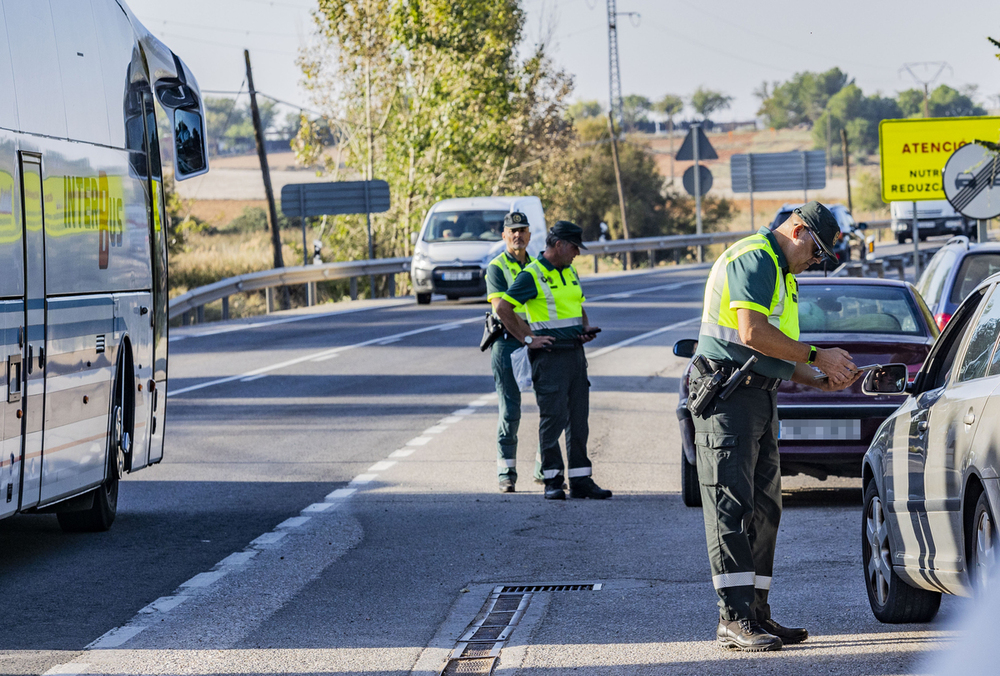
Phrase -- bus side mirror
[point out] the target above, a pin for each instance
(685, 348)
(190, 149)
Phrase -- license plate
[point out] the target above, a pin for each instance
(953, 224)
(456, 276)
(819, 430)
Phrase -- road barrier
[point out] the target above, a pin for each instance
(190, 306)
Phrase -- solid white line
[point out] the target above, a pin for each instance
(114, 638)
(648, 289)
(389, 341)
(310, 357)
(402, 453)
(449, 327)
(640, 337)
(256, 377)
(326, 357)
(381, 465)
(286, 320)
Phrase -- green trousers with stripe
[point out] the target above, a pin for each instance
(740, 476)
(509, 419)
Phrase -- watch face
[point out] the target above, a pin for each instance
(527, 340)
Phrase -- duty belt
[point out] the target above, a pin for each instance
(754, 380)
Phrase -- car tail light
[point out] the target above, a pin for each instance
(941, 319)
(911, 372)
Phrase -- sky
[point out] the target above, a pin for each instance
(672, 46)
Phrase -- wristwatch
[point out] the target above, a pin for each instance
(528, 339)
(812, 354)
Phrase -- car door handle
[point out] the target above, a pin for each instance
(922, 426)
(969, 418)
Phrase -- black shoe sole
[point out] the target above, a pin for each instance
(555, 496)
(577, 496)
(729, 644)
(792, 641)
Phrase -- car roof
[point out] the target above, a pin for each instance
(810, 280)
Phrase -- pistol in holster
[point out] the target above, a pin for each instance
(704, 384)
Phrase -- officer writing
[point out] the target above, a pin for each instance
(500, 275)
(556, 330)
(751, 309)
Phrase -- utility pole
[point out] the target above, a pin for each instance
(369, 169)
(847, 168)
(925, 81)
(266, 173)
(618, 180)
(614, 73)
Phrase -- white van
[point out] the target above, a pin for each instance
(460, 237)
(934, 217)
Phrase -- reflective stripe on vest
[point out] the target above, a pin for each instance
(510, 271)
(558, 303)
(719, 320)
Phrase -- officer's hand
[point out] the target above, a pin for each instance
(589, 333)
(538, 342)
(827, 386)
(837, 365)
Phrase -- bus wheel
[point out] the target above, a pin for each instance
(101, 514)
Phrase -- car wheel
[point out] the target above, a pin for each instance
(690, 488)
(892, 600)
(423, 299)
(901, 239)
(982, 545)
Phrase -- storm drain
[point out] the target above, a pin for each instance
(478, 649)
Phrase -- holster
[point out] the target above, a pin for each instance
(492, 330)
(703, 385)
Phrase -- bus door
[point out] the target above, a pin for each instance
(32, 330)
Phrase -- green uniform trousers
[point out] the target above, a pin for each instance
(509, 418)
(740, 477)
(563, 395)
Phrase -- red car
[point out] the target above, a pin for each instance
(879, 321)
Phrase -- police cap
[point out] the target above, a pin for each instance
(515, 220)
(822, 223)
(569, 232)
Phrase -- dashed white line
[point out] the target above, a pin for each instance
(164, 604)
(450, 420)
(319, 507)
(204, 579)
(436, 429)
(293, 522)
(70, 669)
(640, 337)
(402, 453)
(238, 558)
(381, 465)
(362, 479)
(341, 493)
(464, 411)
(114, 638)
(267, 539)
(419, 441)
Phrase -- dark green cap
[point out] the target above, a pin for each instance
(569, 232)
(515, 220)
(822, 223)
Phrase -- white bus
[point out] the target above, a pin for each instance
(83, 279)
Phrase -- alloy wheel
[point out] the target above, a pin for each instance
(879, 567)
(986, 550)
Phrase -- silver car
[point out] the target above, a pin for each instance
(930, 476)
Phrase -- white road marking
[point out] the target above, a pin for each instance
(464, 411)
(449, 327)
(70, 669)
(640, 337)
(389, 341)
(436, 429)
(476, 403)
(363, 479)
(341, 493)
(648, 289)
(450, 419)
(267, 539)
(114, 638)
(309, 357)
(204, 579)
(418, 441)
(293, 522)
(238, 558)
(256, 377)
(326, 357)
(318, 507)
(381, 465)
(164, 604)
(402, 453)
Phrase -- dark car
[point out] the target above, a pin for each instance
(954, 272)
(879, 321)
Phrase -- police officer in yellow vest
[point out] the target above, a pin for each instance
(557, 327)
(500, 275)
(751, 309)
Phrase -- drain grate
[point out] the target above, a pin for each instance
(471, 650)
(479, 665)
(528, 589)
(506, 604)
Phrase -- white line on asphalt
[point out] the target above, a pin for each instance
(114, 638)
(164, 604)
(418, 441)
(449, 420)
(326, 357)
(463, 411)
(389, 341)
(237, 558)
(318, 507)
(640, 337)
(70, 669)
(341, 493)
(402, 453)
(292, 522)
(256, 377)
(449, 327)
(205, 579)
(436, 429)
(310, 357)
(648, 289)
(362, 479)
(285, 320)
(267, 539)
(381, 466)
(476, 403)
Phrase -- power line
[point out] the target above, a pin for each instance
(240, 31)
(224, 45)
(710, 48)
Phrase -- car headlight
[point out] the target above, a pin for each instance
(420, 260)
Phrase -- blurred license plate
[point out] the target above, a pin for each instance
(819, 430)
(953, 224)
(456, 276)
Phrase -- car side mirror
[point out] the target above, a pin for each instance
(890, 379)
(861, 226)
(685, 348)
(413, 238)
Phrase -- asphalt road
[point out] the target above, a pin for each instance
(328, 504)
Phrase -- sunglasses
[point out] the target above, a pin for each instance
(818, 254)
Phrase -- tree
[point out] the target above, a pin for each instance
(859, 115)
(911, 103)
(431, 96)
(800, 100)
(634, 109)
(670, 105)
(707, 101)
(947, 102)
(584, 109)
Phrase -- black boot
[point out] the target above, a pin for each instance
(788, 635)
(506, 485)
(585, 487)
(746, 635)
(554, 489)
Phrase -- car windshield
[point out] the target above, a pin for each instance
(465, 226)
(973, 269)
(849, 308)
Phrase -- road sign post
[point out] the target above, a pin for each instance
(770, 172)
(697, 147)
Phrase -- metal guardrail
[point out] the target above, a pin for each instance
(308, 274)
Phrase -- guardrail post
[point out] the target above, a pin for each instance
(225, 308)
(200, 313)
(354, 288)
(186, 318)
(392, 285)
(652, 258)
(897, 263)
(269, 295)
(311, 294)
(878, 267)
(854, 270)
(701, 253)
(595, 263)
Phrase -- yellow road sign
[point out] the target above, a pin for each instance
(912, 153)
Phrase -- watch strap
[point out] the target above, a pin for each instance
(812, 354)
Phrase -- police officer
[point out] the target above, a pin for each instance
(500, 275)
(557, 327)
(751, 308)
